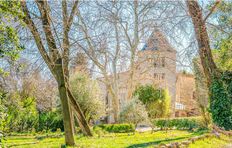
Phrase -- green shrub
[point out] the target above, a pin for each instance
(178, 123)
(156, 100)
(133, 112)
(51, 120)
(221, 101)
(86, 91)
(98, 130)
(116, 128)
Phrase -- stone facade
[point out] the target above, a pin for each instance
(156, 64)
(186, 103)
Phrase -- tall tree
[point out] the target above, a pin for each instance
(57, 58)
(219, 82)
(207, 61)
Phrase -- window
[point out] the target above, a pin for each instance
(155, 64)
(159, 62)
(163, 61)
(159, 76)
(179, 106)
(163, 76)
(156, 76)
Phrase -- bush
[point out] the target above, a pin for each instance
(156, 100)
(86, 92)
(177, 123)
(115, 128)
(133, 112)
(51, 120)
(99, 131)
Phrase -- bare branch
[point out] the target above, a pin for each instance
(27, 19)
(212, 10)
(44, 8)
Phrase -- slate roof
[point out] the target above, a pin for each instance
(157, 41)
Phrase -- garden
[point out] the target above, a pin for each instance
(186, 132)
(115, 74)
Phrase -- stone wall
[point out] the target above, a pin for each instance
(185, 87)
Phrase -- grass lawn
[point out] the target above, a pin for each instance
(107, 141)
(111, 140)
(223, 142)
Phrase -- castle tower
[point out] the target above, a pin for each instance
(157, 65)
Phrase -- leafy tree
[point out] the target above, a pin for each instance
(28, 114)
(20, 91)
(9, 40)
(134, 112)
(222, 35)
(20, 113)
(86, 92)
(157, 101)
(223, 54)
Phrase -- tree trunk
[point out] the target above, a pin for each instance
(68, 126)
(115, 102)
(207, 62)
(79, 115)
(66, 109)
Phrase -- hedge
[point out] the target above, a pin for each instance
(178, 123)
(116, 128)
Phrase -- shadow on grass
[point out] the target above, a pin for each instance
(154, 142)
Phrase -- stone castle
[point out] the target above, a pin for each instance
(156, 64)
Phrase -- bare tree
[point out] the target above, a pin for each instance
(57, 59)
(112, 35)
(115, 43)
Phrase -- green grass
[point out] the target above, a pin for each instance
(111, 140)
(213, 142)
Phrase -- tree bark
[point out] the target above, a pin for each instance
(207, 62)
(79, 115)
(68, 124)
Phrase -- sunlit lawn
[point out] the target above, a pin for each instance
(125, 140)
(213, 142)
(147, 139)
